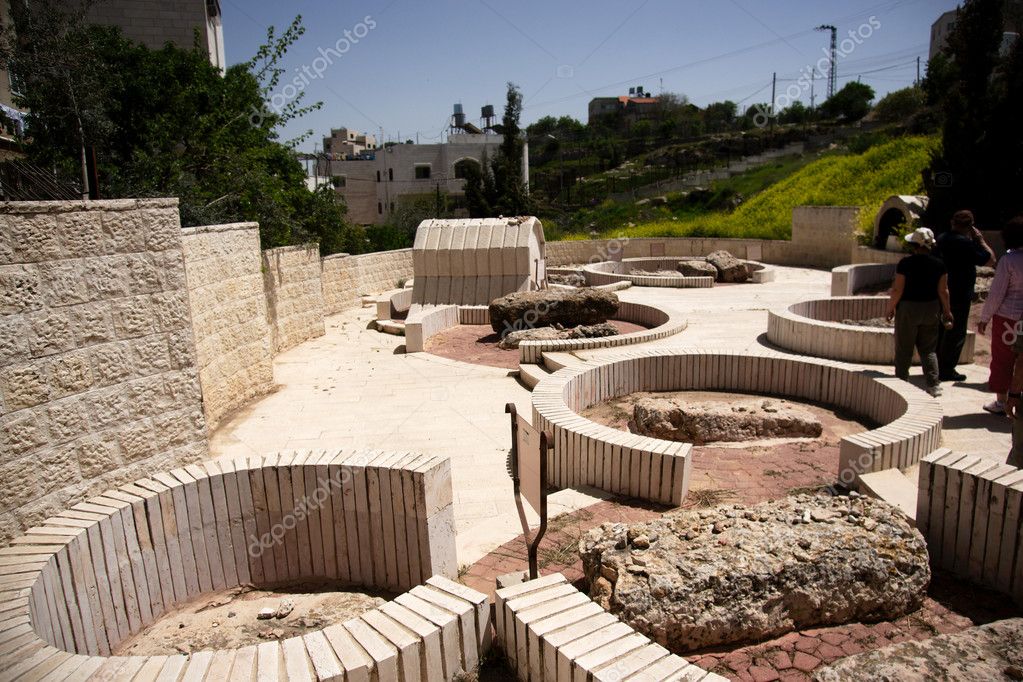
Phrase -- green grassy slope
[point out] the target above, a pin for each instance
(863, 180)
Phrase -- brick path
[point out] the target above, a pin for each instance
(951, 605)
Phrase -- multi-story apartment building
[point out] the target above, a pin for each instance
(373, 183)
(344, 144)
(155, 23)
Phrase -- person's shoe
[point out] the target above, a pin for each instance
(953, 376)
(995, 407)
(934, 391)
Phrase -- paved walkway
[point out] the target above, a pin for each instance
(354, 388)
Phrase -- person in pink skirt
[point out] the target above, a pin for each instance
(1002, 312)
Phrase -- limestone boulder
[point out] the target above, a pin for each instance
(593, 331)
(697, 268)
(987, 652)
(736, 573)
(711, 421)
(528, 309)
(730, 268)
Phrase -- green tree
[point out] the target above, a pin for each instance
(851, 103)
(797, 112)
(168, 123)
(498, 187)
(979, 90)
(899, 105)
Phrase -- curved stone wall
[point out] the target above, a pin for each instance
(661, 325)
(611, 272)
(79, 585)
(587, 453)
(846, 280)
(815, 328)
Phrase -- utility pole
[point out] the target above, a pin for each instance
(774, 84)
(813, 80)
(917, 71)
(833, 57)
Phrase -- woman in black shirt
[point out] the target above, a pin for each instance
(919, 297)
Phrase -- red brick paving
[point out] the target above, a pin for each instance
(951, 606)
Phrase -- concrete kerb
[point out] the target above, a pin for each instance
(80, 584)
(587, 453)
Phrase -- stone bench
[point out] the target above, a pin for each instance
(587, 453)
(662, 324)
(846, 280)
(552, 632)
(815, 328)
(392, 304)
(424, 322)
(969, 510)
(75, 588)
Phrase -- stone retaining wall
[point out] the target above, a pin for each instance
(552, 632)
(83, 582)
(587, 453)
(294, 295)
(969, 509)
(822, 237)
(229, 316)
(97, 361)
(346, 279)
(815, 328)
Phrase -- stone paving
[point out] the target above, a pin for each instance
(354, 388)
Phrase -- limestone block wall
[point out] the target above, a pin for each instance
(969, 510)
(229, 316)
(346, 279)
(824, 235)
(294, 295)
(98, 380)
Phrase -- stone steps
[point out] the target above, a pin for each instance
(531, 375)
(892, 486)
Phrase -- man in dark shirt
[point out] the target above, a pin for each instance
(962, 249)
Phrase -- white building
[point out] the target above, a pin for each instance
(373, 185)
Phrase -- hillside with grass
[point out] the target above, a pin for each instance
(838, 178)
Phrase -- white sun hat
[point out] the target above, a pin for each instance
(922, 236)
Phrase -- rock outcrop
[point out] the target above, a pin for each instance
(987, 652)
(709, 421)
(730, 268)
(695, 579)
(528, 309)
(513, 339)
(697, 268)
(569, 280)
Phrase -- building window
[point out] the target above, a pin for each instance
(392, 207)
(422, 172)
(390, 174)
(380, 207)
(378, 176)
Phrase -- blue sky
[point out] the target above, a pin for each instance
(403, 63)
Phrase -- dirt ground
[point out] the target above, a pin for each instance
(477, 343)
(750, 471)
(227, 620)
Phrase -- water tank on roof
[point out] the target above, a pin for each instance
(487, 111)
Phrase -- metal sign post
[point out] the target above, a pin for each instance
(529, 478)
